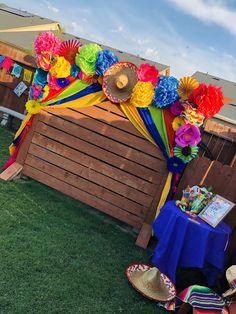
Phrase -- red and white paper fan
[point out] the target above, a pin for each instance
(69, 48)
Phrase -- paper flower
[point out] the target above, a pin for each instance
(148, 73)
(176, 108)
(52, 82)
(89, 79)
(47, 42)
(165, 92)
(175, 164)
(86, 58)
(177, 122)
(74, 70)
(186, 153)
(187, 85)
(190, 115)
(40, 77)
(208, 99)
(61, 68)
(142, 94)
(63, 82)
(33, 106)
(187, 134)
(35, 91)
(45, 61)
(105, 59)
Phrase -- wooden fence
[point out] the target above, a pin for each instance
(97, 156)
(220, 141)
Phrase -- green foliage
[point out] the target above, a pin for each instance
(58, 255)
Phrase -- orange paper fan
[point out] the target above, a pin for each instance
(69, 48)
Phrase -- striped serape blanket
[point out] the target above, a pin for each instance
(203, 298)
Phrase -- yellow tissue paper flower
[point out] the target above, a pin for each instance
(61, 68)
(177, 122)
(33, 106)
(142, 94)
(187, 85)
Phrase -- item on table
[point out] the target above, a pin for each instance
(194, 199)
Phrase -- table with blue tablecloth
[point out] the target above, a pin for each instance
(187, 243)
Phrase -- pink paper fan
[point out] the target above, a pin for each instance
(69, 48)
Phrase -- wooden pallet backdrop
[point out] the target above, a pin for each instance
(97, 156)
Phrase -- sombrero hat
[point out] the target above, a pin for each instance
(119, 81)
(231, 278)
(150, 282)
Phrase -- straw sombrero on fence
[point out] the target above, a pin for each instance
(150, 282)
(119, 81)
(231, 278)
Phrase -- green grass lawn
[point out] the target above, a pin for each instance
(58, 255)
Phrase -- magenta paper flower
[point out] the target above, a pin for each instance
(177, 108)
(187, 134)
(148, 73)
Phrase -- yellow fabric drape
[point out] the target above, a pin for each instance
(134, 117)
(132, 114)
(164, 193)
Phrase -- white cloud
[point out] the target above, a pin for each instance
(50, 7)
(152, 53)
(119, 29)
(209, 11)
(76, 28)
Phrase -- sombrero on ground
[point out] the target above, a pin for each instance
(231, 278)
(150, 282)
(119, 81)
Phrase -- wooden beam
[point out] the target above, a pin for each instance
(11, 172)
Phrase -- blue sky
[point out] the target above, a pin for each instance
(188, 35)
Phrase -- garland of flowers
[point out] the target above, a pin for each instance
(187, 101)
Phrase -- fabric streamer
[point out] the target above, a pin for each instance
(71, 89)
(158, 119)
(88, 90)
(132, 114)
(150, 125)
(169, 117)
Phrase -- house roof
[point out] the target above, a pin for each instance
(14, 18)
(228, 112)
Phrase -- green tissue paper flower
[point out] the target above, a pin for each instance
(86, 58)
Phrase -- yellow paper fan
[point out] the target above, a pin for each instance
(187, 86)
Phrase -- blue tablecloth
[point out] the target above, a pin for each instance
(182, 242)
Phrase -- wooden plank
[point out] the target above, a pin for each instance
(11, 172)
(218, 177)
(220, 130)
(132, 198)
(92, 150)
(103, 142)
(95, 164)
(83, 184)
(113, 108)
(84, 197)
(97, 112)
(108, 130)
(146, 229)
